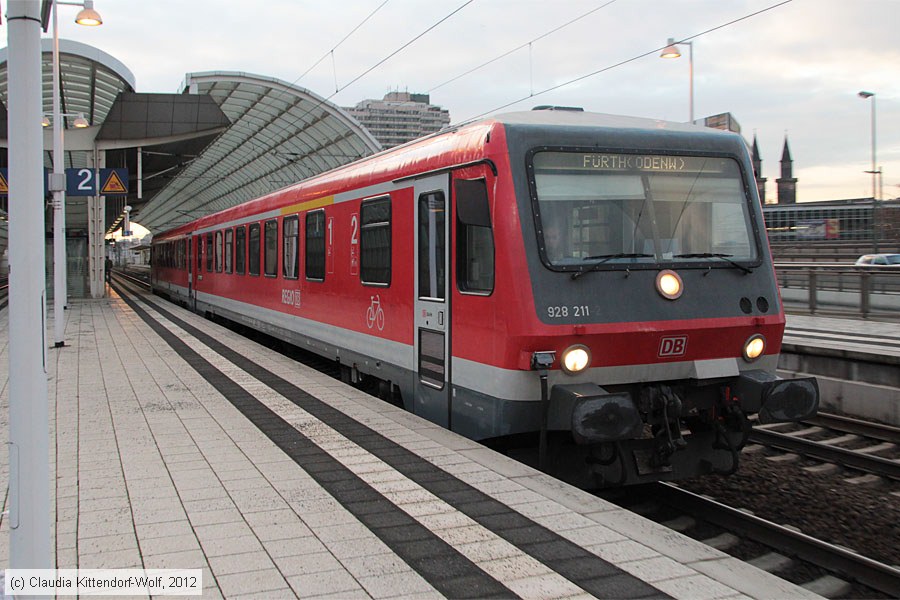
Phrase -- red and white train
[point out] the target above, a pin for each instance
(599, 287)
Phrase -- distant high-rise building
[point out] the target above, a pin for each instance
(787, 183)
(400, 117)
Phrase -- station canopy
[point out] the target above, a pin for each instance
(278, 135)
(226, 138)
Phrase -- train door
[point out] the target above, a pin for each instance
(189, 242)
(194, 271)
(432, 300)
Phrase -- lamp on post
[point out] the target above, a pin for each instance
(89, 17)
(671, 51)
(874, 171)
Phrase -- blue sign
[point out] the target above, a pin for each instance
(83, 182)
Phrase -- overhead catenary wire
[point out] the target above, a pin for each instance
(378, 64)
(335, 47)
(519, 47)
(626, 61)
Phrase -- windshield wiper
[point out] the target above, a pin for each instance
(725, 257)
(602, 258)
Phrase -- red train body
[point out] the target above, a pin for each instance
(600, 285)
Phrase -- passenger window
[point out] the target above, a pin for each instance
(291, 259)
(474, 237)
(209, 252)
(199, 253)
(375, 241)
(218, 252)
(229, 247)
(240, 249)
(315, 245)
(253, 250)
(271, 248)
(432, 244)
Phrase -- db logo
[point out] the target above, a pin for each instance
(675, 345)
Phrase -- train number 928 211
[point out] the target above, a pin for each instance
(560, 312)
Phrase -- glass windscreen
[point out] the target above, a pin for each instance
(652, 208)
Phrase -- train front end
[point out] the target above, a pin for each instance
(658, 321)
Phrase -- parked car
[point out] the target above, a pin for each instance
(878, 260)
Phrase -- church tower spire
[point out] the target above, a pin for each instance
(787, 183)
(757, 172)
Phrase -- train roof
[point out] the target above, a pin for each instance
(579, 118)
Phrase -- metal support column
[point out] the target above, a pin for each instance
(29, 455)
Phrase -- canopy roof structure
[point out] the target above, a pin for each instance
(228, 137)
(90, 82)
(279, 134)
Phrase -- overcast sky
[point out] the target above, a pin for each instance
(795, 69)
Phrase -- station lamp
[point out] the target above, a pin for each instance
(671, 51)
(87, 16)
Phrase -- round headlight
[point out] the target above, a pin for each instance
(575, 359)
(669, 285)
(754, 347)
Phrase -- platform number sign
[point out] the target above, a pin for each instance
(84, 182)
(329, 249)
(354, 244)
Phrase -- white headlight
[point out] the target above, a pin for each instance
(669, 285)
(576, 358)
(754, 347)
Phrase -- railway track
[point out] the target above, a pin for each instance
(822, 567)
(826, 438)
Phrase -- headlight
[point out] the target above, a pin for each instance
(754, 347)
(576, 358)
(669, 285)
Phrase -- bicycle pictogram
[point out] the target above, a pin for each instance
(375, 314)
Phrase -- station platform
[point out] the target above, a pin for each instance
(176, 443)
(856, 363)
(847, 336)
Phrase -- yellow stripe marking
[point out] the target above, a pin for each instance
(308, 205)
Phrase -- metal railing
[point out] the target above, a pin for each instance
(817, 288)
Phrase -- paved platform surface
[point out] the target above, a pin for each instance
(155, 464)
(851, 336)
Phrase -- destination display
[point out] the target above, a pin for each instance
(581, 161)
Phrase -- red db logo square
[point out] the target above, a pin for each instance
(675, 345)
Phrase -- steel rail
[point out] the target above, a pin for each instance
(852, 565)
(875, 431)
(876, 465)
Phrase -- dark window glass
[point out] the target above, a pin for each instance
(240, 249)
(253, 250)
(315, 245)
(474, 237)
(209, 252)
(229, 249)
(431, 245)
(218, 252)
(271, 248)
(432, 363)
(199, 253)
(375, 241)
(291, 260)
